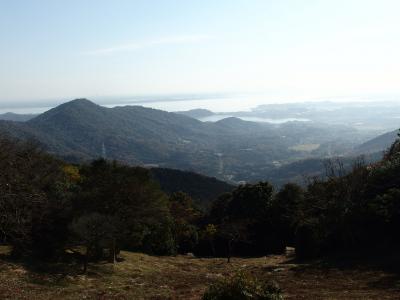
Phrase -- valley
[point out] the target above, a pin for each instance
(199, 150)
(230, 149)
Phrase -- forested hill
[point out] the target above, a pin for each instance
(196, 113)
(201, 188)
(131, 134)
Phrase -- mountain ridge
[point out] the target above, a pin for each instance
(378, 144)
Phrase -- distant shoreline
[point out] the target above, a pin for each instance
(219, 103)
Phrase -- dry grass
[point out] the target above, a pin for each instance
(141, 276)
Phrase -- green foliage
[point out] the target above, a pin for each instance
(387, 206)
(287, 210)
(185, 217)
(243, 287)
(34, 200)
(95, 231)
(132, 203)
(107, 206)
(159, 239)
(251, 201)
(357, 211)
(245, 221)
(309, 239)
(45, 204)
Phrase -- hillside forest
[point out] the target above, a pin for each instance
(49, 206)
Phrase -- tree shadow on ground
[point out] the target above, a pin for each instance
(382, 269)
(56, 273)
(383, 261)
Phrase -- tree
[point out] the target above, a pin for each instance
(185, 217)
(231, 232)
(244, 219)
(34, 200)
(287, 209)
(95, 232)
(132, 203)
(209, 234)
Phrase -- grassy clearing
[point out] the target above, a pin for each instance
(141, 276)
(305, 147)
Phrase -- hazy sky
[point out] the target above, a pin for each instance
(304, 48)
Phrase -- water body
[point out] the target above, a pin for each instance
(215, 104)
(218, 104)
(221, 104)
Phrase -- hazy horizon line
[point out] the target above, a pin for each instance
(29, 107)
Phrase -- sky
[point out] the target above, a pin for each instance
(283, 49)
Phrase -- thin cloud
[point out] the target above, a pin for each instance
(182, 39)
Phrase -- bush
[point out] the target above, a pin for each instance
(242, 287)
(308, 240)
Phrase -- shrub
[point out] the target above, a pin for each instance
(242, 287)
(308, 240)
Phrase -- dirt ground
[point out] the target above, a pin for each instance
(141, 276)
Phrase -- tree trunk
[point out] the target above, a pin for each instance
(229, 249)
(212, 248)
(113, 252)
(85, 260)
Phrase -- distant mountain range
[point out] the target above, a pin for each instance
(231, 149)
(370, 117)
(9, 116)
